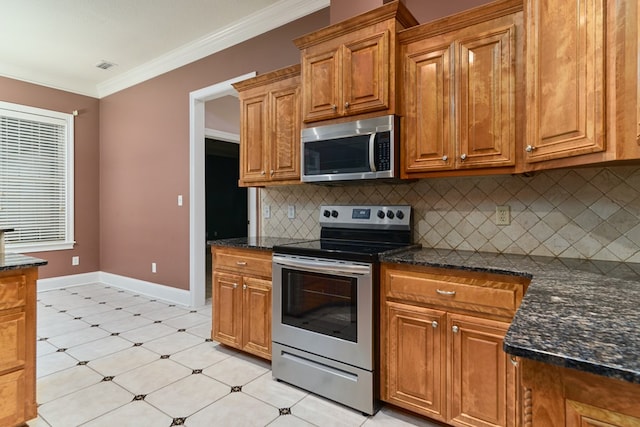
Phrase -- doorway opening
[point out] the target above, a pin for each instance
(197, 192)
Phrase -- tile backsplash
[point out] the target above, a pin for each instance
(591, 213)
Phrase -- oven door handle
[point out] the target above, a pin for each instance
(322, 266)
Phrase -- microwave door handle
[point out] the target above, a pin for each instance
(372, 154)
(322, 267)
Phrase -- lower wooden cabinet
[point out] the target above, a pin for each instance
(442, 351)
(563, 397)
(241, 299)
(17, 346)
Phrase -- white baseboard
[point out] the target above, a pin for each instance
(150, 289)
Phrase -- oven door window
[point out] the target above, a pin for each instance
(320, 303)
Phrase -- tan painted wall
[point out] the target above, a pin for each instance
(144, 156)
(86, 171)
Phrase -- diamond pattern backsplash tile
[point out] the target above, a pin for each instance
(589, 213)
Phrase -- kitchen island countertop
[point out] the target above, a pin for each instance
(581, 314)
(11, 261)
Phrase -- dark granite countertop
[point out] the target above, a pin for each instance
(576, 313)
(9, 261)
(258, 242)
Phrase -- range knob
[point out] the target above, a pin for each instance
(334, 214)
(400, 214)
(326, 213)
(390, 214)
(380, 214)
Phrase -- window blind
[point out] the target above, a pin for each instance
(36, 187)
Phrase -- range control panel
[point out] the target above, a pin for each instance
(371, 216)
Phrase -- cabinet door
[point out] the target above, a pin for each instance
(483, 379)
(12, 341)
(366, 74)
(285, 134)
(582, 415)
(256, 330)
(12, 398)
(486, 99)
(565, 78)
(427, 131)
(253, 135)
(322, 80)
(414, 371)
(227, 309)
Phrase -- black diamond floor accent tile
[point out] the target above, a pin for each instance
(136, 295)
(165, 356)
(42, 339)
(77, 318)
(139, 397)
(48, 305)
(157, 321)
(178, 421)
(120, 292)
(136, 314)
(152, 300)
(62, 311)
(196, 371)
(193, 311)
(74, 293)
(87, 297)
(82, 363)
(95, 326)
(103, 302)
(115, 334)
(61, 350)
(181, 330)
(172, 305)
(285, 411)
(107, 379)
(118, 308)
(208, 340)
(236, 389)
(138, 344)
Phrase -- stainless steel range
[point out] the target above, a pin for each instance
(325, 299)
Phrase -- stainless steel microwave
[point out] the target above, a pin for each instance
(357, 150)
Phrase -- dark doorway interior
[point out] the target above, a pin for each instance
(226, 203)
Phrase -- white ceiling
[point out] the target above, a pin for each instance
(58, 43)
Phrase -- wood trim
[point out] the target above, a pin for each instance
(270, 77)
(388, 11)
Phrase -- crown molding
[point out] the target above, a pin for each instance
(260, 22)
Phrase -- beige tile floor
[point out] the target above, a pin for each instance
(107, 357)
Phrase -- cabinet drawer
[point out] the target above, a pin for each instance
(242, 261)
(480, 293)
(12, 291)
(12, 341)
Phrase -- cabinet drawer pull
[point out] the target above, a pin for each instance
(235, 285)
(434, 324)
(448, 293)
(241, 263)
(455, 329)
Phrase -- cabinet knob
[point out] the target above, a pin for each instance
(445, 158)
(455, 329)
(434, 324)
(235, 285)
(244, 286)
(529, 148)
(262, 173)
(272, 172)
(463, 157)
(334, 107)
(347, 105)
(514, 361)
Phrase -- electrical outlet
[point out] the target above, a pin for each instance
(179, 199)
(153, 267)
(503, 215)
(266, 211)
(291, 212)
(75, 260)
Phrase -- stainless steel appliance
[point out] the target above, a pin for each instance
(362, 149)
(325, 299)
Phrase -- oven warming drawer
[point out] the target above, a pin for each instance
(337, 381)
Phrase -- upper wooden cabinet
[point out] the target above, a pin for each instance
(461, 77)
(350, 68)
(582, 86)
(270, 128)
